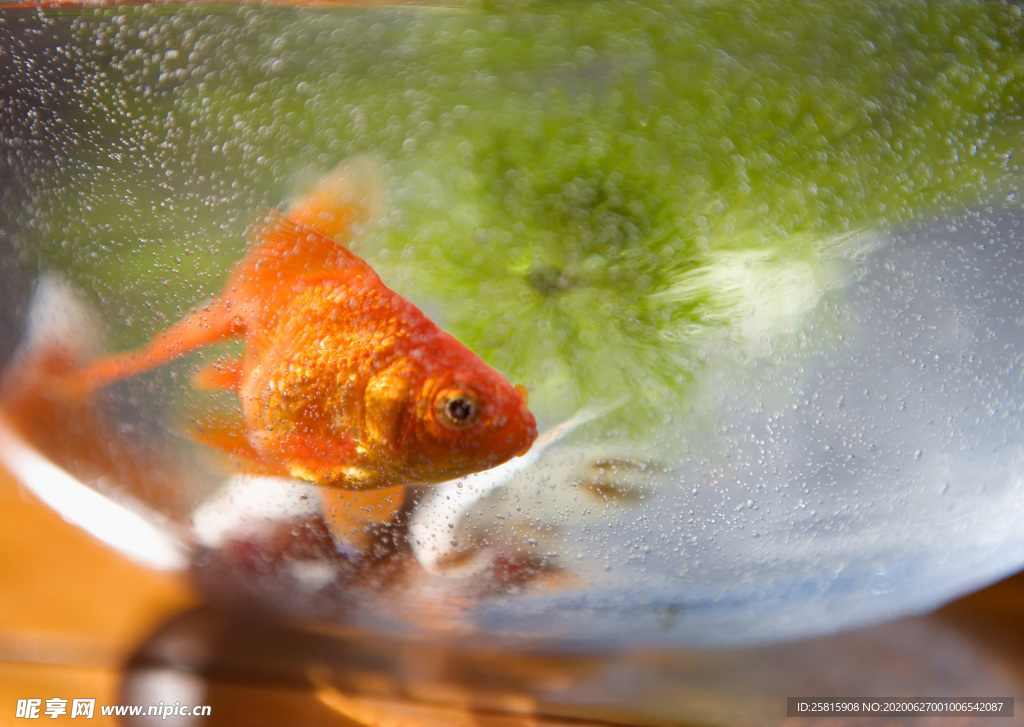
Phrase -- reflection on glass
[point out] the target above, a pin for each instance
(755, 263)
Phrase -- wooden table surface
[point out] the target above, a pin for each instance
(73, 612)
(72, 609)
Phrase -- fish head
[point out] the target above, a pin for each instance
(468, 418)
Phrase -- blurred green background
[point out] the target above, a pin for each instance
(588, 194)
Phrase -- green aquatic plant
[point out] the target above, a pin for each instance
(663, 173)
(585, 193)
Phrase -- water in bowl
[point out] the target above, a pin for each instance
(757, 266)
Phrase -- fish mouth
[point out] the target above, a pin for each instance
(528, 445)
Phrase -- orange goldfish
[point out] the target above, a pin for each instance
(342, 382)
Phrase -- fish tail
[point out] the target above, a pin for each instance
(213, 323)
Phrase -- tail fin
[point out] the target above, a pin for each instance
(212, 323)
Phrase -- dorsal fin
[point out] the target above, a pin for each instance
(342, 201)
(284, 253)
(308, 240)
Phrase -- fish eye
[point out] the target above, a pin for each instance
(457, 408)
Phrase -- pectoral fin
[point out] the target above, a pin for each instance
(230, 435)
(224, 374)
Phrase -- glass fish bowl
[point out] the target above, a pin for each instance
(756, 264)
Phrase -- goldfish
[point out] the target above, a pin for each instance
(342, 382)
